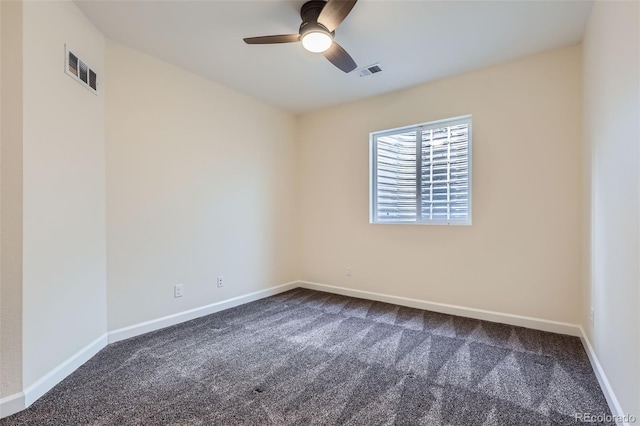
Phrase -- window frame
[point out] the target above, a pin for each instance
(373, 162)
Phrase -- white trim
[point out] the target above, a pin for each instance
(428, 124)
(418, 128)
(55, 376)
(11, 404)
(481, 314)
(180, 317)
(614, 405)
(19, 401)
(517, 320)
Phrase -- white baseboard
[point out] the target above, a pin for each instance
(518, 320)
(55, 376)
(11, 404)
(19, 401)
(180, 317)
(612, 400)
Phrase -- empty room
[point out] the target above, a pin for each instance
(266, 212)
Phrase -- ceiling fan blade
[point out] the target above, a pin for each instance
(334, 12)
(340, 58)
(285, 38)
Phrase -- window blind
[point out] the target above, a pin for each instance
(422, 174)
(396, 177)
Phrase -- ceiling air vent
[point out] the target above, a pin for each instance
(80, 71)
(371, 69)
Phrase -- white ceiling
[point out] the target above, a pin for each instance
(415, 41)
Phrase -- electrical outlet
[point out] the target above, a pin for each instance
(177, 290)
(220, 281)
(349, 271)
(591, 316)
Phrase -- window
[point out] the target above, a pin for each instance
(422, 174)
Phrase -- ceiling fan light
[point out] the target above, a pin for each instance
(316, 41)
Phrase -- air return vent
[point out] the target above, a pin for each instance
(80, 71)
(371, 69)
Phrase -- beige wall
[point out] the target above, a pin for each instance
(64, 278)
(612, 145)
(199, 184)
(202, 181)
(522, 254)
(11, 198)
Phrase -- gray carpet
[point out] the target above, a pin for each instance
(311, 358)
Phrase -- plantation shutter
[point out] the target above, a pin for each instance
(422, 174)
(396, 177)
(445, 173)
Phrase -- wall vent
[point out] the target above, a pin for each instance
(371, 69)
(80, 71)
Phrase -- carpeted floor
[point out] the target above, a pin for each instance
(306, 357)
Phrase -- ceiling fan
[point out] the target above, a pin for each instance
(319, 22)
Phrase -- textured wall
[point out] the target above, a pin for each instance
(11, 199)
(200, 183)
(522, 253)
(64, 279)
(612, 148)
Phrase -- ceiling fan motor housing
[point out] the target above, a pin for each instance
(307, 27)
(311, 10)
(309, 14)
